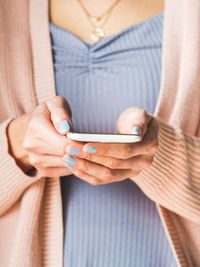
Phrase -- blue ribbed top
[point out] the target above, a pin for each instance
(113, 225)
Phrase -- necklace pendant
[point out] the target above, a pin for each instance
(97, 34)
(95, 19)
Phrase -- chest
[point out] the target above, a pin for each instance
(100, 81)
(70, 15)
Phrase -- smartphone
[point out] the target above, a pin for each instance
(104, 137)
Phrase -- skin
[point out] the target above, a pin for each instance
(34, 138)
(114, 162)
(124, 14)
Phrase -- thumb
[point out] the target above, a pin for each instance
(133, 121)
(60, 114)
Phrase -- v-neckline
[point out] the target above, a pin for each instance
(42, 55)
(109, 37)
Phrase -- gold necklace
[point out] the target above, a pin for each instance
(98, 32)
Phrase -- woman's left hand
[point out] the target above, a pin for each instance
(103, 163)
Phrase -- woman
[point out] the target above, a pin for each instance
(115, 222)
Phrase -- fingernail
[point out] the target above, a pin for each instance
(70, 160)
(73, 151)
(137, 131)
(64, 126)
(69, 166)
(90, 149)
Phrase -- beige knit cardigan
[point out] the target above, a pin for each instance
(31, 227)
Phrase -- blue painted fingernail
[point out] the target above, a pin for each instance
(70, 160)
(90, 149)
(73, 151)
(137, 131)
(64, 126)
(69, 166)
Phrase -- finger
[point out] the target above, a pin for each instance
(101, 172)
(46, 161)
(95, 181)
(60, 114)
(41, 136)
(117, 150)
(136, 163)
(88, 167)
(54, 172)
(87, 177)
(133, 120)
(148, 145)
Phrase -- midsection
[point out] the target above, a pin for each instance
(69, 14)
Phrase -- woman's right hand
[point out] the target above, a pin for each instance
(37, 140)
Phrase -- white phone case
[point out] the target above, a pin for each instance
(104, 138)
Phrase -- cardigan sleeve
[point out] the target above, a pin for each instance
(173, 180)
(13, 181)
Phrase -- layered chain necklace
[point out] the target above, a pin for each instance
(98, 32)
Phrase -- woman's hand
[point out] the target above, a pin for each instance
(102, 163)
(38, 139)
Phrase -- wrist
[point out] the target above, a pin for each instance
(15, 133)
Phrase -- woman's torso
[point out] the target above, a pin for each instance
(116, 224)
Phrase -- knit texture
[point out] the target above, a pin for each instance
(31, 229)
(113, 224)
